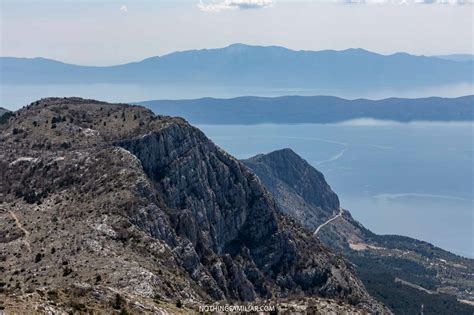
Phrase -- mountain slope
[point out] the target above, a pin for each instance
(457, 57)
(314, 109)
(391, 266)
(253, 66)
(295, 195)
(110, 207)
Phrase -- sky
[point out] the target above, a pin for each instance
(105, 32)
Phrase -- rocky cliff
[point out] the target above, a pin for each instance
(110, 207)
(299, 189)
(423, 273)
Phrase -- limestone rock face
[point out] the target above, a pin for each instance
(114, 206)
(299, 189)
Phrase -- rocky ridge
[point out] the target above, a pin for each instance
(109, 207)
(299, 189)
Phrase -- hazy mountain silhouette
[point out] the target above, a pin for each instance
(255, 66)
(458, 57)
(313, 109)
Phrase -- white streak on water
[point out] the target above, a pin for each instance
(387, 197)
(369, 122)
(332, 158)
(317, 163)
(381, 147)
(301, 138)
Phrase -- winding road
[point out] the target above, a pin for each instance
(328, 221)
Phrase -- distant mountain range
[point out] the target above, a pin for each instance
(313, 109)
(252, 66)
(458, 57)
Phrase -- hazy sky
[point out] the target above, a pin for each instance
(111, 32)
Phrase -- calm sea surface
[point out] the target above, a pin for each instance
(414, 179)
(16, 96)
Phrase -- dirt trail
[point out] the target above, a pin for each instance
(20, 226)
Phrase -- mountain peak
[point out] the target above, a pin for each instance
(286, 168)
(285, 152)
(239, 45)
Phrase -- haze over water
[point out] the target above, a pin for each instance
(15, 96)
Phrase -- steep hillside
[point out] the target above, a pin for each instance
(293, 185)
(109, 207)
(394, 268)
